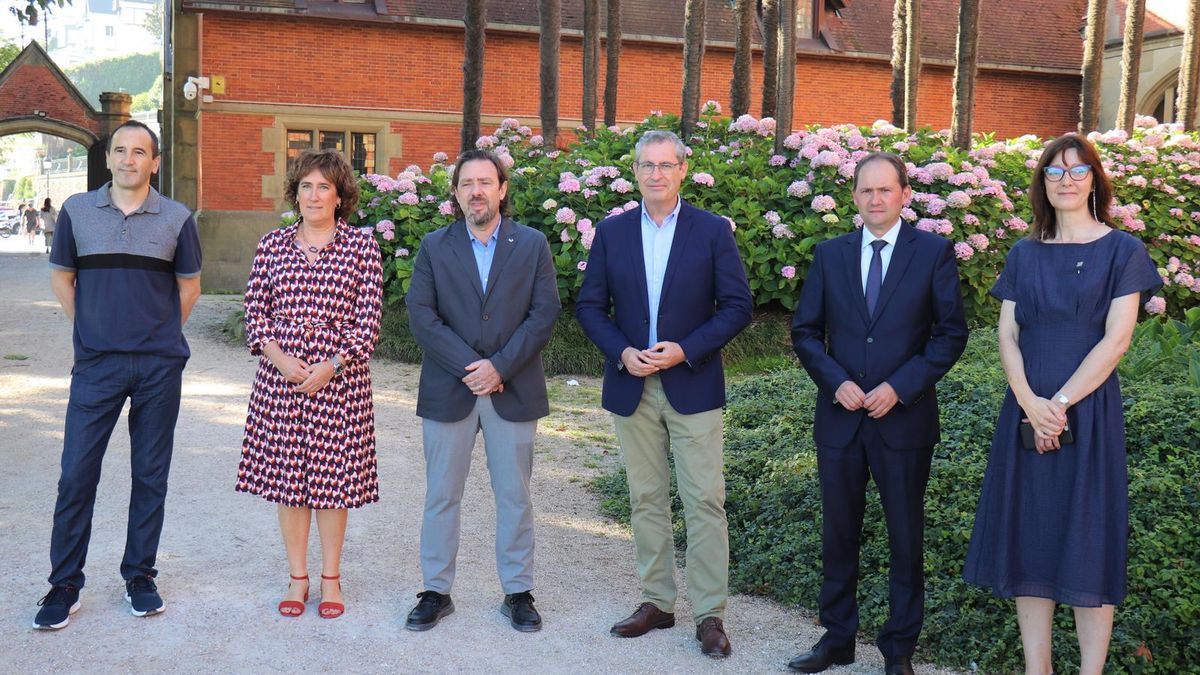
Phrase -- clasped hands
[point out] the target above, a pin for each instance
(1048, 419)
(658, 357)
(482, 378)
(308, 378)
(878, 402)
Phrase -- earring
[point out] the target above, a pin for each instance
(1095, 216)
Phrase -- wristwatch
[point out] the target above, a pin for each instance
(338, 364)
(1062, 399)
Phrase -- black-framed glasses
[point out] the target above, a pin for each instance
(1078, 172)
(649, 167)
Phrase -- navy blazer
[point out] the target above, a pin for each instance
(705, 302)
(456, 322)
(916, 335)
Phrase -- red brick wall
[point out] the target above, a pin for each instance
(232, 162)
(418, 69)
(34, 87)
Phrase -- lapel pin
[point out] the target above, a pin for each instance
(510, 240)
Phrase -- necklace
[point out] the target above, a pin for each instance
(303, 241)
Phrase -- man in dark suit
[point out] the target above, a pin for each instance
(481, 303)
(664, 290)
(879, 322)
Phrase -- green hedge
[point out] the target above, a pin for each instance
(774, 508)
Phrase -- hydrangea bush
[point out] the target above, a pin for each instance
(780, 206)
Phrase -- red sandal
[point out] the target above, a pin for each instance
(292, 608)
(331, 610)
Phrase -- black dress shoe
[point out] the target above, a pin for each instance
(821, 657)
(521, 613)
(430, 609)
(898, 665)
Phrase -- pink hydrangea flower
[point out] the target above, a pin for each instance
(979, 242)
(621, 186)
(410, 199)
(963, 251)
(908, 214)
(857, 220)
(703, 179)
(1136, 181)
(584, 224)
(536, 140)
(389, 235)
(1156, 305)
(564, 236)
(712, 107)
(446, 208)
(766, 126)
(581, 265)
(385, 225)
(565, 215)
(777, 160)
(401, 253)
(1017, 224)
(631, 204)
(440, 157)
(925, 224)
(486, 142)
(800, 188)
(586, 238)
(943, 227)
(772, 218)
(935, 206)
(782, 231)
(958, 199)
(823, 203)
(971, 219)
(788, 272)
(732, 225)
(567, 182)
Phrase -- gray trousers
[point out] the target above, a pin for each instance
(509, 448)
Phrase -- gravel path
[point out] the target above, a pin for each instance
(221, 562)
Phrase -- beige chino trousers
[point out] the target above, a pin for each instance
(697, 444)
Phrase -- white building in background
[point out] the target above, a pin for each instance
(88, 30)
(1158, 72)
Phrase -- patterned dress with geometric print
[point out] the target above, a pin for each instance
(313, 451)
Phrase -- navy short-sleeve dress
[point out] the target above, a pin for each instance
(1055, 525)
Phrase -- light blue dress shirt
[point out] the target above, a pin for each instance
(656, 249)
(483, 255)
(885, 255)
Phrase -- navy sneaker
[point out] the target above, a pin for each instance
(142, 596)
(57, 607)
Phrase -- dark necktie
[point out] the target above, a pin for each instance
(875, 276)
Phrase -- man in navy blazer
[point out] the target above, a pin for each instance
(664, 290)
(879, 322)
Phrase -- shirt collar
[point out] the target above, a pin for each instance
(890, 236)
(671, 217)
(491, 240)
(152, 203)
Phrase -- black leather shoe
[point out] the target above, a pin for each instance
(898, 665)
(521, 613)
(430, 609)
(821, 657)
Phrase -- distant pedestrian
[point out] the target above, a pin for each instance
(49, 217)
(30, 218)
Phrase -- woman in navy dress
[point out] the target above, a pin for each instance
(1052, 521)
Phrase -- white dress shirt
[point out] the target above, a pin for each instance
(886, 254)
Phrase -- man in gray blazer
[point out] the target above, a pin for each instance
(481, 303)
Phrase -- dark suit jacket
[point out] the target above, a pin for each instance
(456, 323)
(705, 302)
(916, 335)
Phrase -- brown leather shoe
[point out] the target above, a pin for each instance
(645, 619)
(713, 641)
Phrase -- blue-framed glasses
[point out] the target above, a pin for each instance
(1078, 172)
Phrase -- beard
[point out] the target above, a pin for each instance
(480, 218)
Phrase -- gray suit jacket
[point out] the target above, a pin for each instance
(456, 323)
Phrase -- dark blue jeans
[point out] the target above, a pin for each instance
(99, 388)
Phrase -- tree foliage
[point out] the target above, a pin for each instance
(133, 73)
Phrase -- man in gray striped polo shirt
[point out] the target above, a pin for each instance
(125, 266)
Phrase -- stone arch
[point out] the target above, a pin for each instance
(72, 132)
(1154, 95)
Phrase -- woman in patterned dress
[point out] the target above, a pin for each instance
(312, 314)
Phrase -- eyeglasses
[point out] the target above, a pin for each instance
(648, 168)
(1078, 172)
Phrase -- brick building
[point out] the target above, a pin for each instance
(381, 80)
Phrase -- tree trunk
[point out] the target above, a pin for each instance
(1093, 63)
(612, 62)
(739, 84)
(693, 59)
(1189, 67)
(899, 46)
(912, 62)
(966, 59)
(475, 22)
(550, 25)
(787, 72)
(1131, 62)
(770, 30)
(591, 62)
